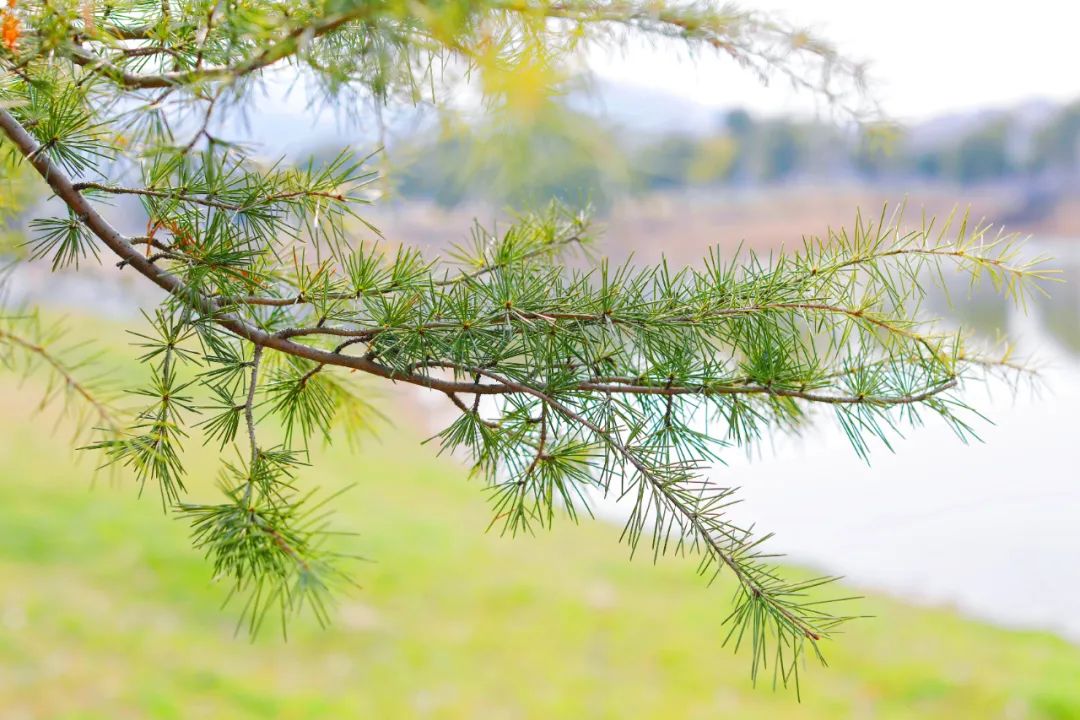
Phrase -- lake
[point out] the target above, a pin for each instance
(992, 528)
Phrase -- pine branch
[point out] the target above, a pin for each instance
(105, 416)
(206, 199)
(288, 46)
(623, 380)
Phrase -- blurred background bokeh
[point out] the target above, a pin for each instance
(968, 555)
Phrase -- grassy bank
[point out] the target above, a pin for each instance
(105, 611)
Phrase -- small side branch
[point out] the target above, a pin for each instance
(104, 413)
(249, 404)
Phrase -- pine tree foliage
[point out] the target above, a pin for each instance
(620, 381)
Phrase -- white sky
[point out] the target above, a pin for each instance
(927, 57)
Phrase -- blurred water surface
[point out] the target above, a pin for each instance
(992, 527)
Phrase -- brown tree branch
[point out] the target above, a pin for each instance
(214, 308)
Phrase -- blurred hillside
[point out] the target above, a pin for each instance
(619, 143)
(668, 174)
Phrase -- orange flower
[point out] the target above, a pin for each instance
(9, 29)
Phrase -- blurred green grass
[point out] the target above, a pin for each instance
(106, 612)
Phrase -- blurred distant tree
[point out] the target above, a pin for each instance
(1057, 146)
(781, 150)
(435, 170)
(665, 164)
(619, 381)
(738, 124)
(561, 155)
(678, 161)
(879, 151)
(742, 149)
(983, 154)
(929, 164)
(713, 162)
